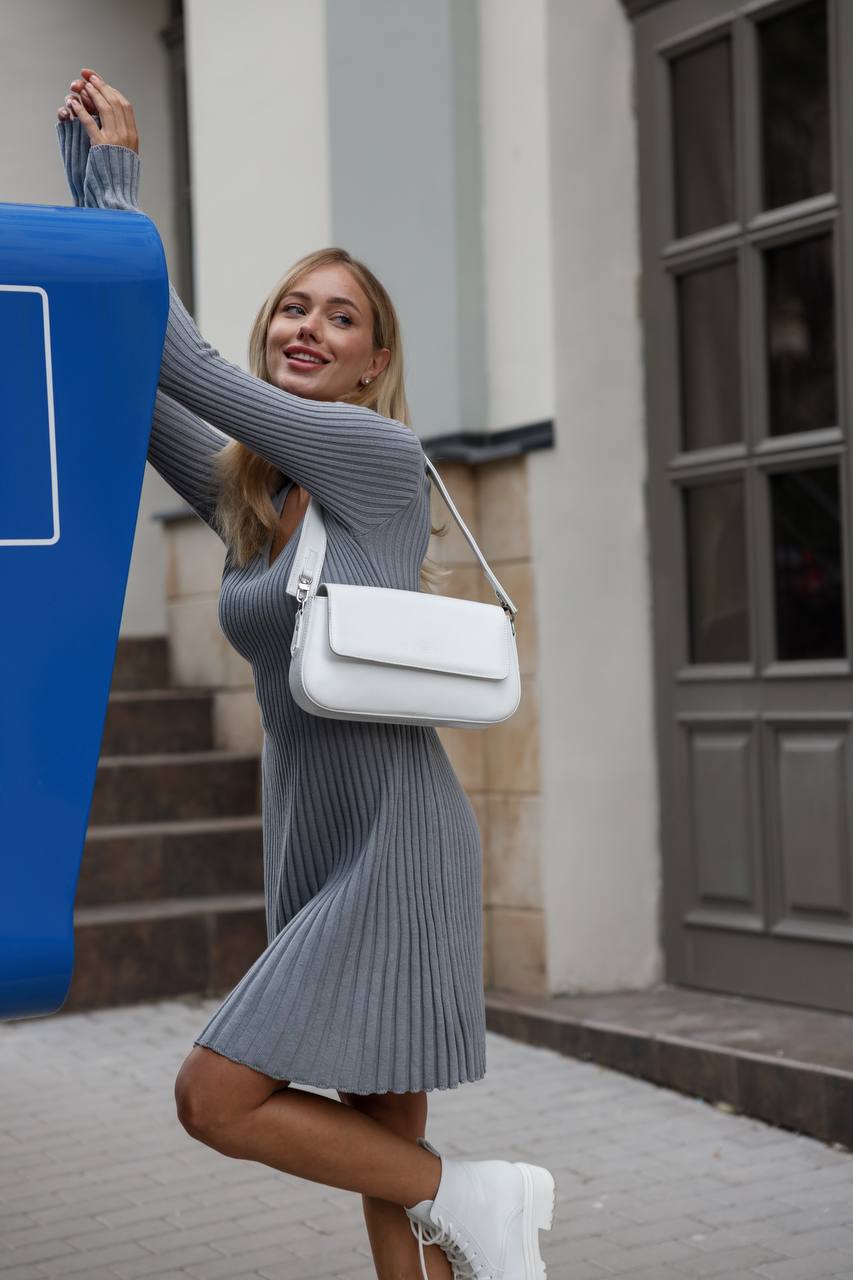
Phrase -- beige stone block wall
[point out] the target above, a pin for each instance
(199, 653)
(500, 767)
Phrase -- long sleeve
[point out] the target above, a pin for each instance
(361, 466)
(74, 149)
(181, 449)
(182, 446)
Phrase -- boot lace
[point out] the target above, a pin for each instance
(451, 1241)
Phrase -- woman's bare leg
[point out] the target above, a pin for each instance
(252, 1116)
(394, 1247)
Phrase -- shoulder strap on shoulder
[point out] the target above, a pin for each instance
(311, 548)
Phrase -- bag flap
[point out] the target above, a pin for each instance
(418, 629)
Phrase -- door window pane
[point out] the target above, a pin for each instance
(709, 334)
(800, 304)
(703, 137)
(716, 570)
(809, 604)
(794, 70)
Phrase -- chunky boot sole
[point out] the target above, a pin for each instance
(539, 1195)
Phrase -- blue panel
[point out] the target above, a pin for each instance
(83, 307)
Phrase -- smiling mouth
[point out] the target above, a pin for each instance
(305, 362)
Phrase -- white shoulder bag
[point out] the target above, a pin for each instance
(399, 656)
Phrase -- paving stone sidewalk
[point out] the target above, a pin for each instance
(99, 1180)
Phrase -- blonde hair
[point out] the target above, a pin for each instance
(244, 514)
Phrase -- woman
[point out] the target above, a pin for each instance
(371, 982)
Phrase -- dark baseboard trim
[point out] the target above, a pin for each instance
(807, 1097)
(172, 515)
(634, 8)
(488, 446)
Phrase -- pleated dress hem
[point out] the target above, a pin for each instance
(347, 1088)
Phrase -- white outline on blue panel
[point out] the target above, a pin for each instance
(48, 373)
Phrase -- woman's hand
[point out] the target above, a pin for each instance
(118, 124)
(78, 89)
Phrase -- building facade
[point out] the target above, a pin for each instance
(614, 233)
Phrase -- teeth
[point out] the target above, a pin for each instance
(300, 355)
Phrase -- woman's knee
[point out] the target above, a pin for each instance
(200, 1104)
(405, 1113)
(212, 1092)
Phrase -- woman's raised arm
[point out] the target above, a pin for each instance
(74, 149)
(182, 446)
(359, 465)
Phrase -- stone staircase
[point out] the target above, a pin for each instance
(170, 897)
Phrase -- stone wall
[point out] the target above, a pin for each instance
(199, 654)
(499, 767)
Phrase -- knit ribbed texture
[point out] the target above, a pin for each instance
(74, 146)
(372, 978)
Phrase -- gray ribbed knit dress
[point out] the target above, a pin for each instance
(372, 977)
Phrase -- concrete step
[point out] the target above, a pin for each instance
(782, 1063)
(142, 663)
(148, 721)
(168, 787)
(155, 860)
(128, 952)
(170, 899)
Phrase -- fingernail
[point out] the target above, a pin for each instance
(95, 79)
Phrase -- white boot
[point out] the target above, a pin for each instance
(486, 1216)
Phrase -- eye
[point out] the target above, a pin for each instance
(340, 315)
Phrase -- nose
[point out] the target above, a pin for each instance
(306, 327)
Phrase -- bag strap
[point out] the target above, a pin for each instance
(310, 554)
(311, 551)
(498, 589)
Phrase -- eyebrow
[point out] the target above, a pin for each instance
(298, 293)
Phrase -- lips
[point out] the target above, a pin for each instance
(300, 357)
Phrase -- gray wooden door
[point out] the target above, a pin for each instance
(745, 116)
